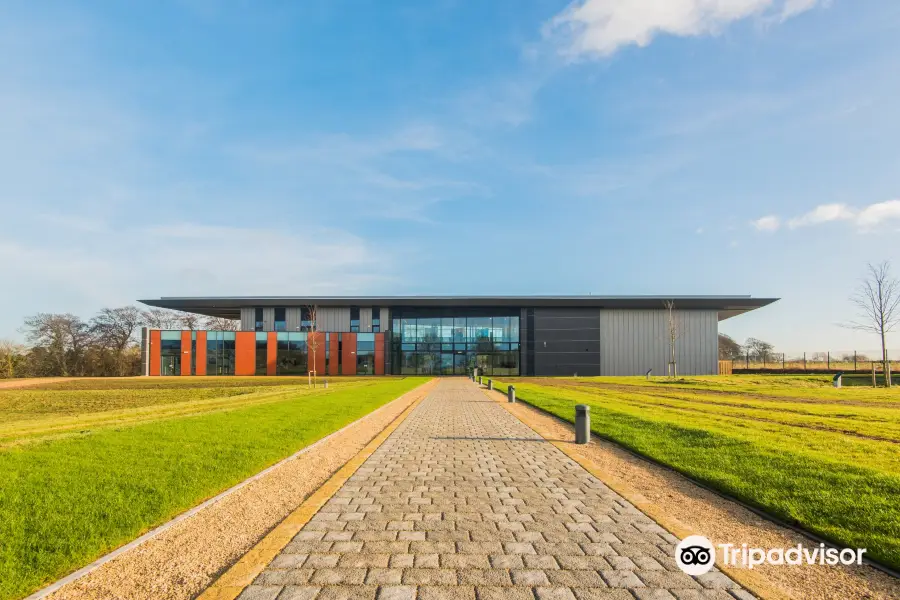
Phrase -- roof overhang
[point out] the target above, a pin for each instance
(229, 307)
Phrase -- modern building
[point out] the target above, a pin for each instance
(444, 335)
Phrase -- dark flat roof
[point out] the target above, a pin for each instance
(229, 306)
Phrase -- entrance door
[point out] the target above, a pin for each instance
(170, 365)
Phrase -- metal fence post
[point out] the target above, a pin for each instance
(829, 360)
(854, 360)
(511, 394)
(782, 361)
(748, 359)
(804, 361)
(582, 424)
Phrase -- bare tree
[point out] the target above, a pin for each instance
(759, 349)
(729, 349)
(221, 324)
(878, 301)
(190, 321)
(312, 338)
(12, 359)
(63, 337)
(161, 318)
(672, 335)
(114, 328)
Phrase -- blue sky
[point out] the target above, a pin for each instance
(328, 147)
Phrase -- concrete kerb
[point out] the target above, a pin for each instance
(75, 576)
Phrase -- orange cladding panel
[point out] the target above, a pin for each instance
(317, 338)
(379, 354)
(271, 353)
(348, 358)
(185, 352)
(201, 354)
(155, 352)
(333, 350)
(245, 353)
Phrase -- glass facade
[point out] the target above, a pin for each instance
(259, 324)
(170, 350)
(262, 351)
(365, 354)
(354, 319)
(220, 352)
(280, 319)
(454, 345)
(292, 354)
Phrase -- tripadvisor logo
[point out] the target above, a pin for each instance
(695, 555)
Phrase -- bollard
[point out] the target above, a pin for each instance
(479, 380)
(326, 384)
(648, 374)
(836, 382)
(511, 394)
(490, 384)
(582, 424)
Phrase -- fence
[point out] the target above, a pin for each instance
(815, 361)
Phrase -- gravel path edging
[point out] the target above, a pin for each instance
(181, 518)
(868, 580)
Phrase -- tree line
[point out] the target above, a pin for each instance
(108, 344)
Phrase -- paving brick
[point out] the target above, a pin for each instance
(397, 592)
(460, 504)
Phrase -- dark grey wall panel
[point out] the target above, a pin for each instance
(566, 341)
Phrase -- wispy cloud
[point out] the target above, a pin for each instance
(769, 223)
(601, 27)
(877, 214)
(868, 218)
(823, 213)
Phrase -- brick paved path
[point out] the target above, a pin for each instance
(465, 501)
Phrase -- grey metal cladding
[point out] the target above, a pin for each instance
(333, 318)
(292, 314)
(269, 319)
(365, 319)
(385, 318)
(248, 318)
(633, 341)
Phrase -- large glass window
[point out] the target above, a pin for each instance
(365, 354)
(292, 356)
(259, 325)
(306, 323)
(354, 319)
(376, 319)
(170, 349)
(220, 353)
(262, 353)
(280, 319)
(455, 345)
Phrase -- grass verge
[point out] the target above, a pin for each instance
(822, 459)
(65, 502)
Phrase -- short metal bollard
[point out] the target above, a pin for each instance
(582, 424)
(326, 384)
(490, 384)
(836, 382)
(511, 393)
(479, 380)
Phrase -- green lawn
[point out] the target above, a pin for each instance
(87, 466)
(822, 458)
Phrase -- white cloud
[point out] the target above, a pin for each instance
(769, 223)
(876, 214)
(823, 213)
(601, 27)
